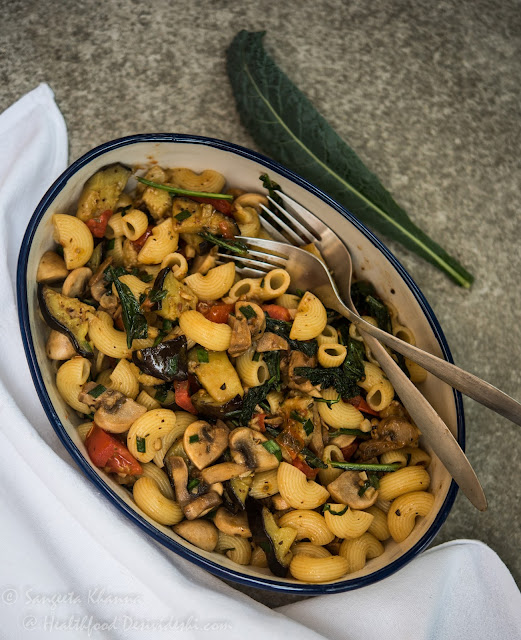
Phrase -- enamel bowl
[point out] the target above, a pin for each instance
(371, 260)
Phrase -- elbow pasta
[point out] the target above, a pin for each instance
(270, 435)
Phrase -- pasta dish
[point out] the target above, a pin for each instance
(240, 412)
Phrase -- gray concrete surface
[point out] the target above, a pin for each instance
(428, 94)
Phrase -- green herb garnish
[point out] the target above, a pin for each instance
(273, 447)
(97, 391)
(248, 312)
(183, 215)
(141, 444)
(134, 321)
(161, 394)
(349, 432)
(282, 328)
(327, 507)
(202, 355)
(312, 460)
(361, 466)
(235, 246)
(185, 192)
(308, 427)
(194, 482)
(194, 438)
(157, 294)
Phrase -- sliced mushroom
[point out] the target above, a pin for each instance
(97, 283)
(200, 506)
(240, 340)
(193, 507)
(115, 412)
(203, 264)
(110, 303)
(247, 449)
(76, 282)
(299, 359)
(272, 342)
(222, 472)
(391, 433)
(204, 443)
(51, 268)
(345, 490)
(232, 524)
(59, 347)
(256, 323)
(201, 533)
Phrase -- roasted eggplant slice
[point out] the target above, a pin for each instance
(67, 315)
(178, 298)
(235, 493)
(102, 190)
(167, 360)
(191, 217)
(275, 541)
(208, 407)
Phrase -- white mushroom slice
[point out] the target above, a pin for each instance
(51, 268)
(222, 472)
(246, 447)
(232, 524)
(117, 413)
(345, 490)
(76, 282)
(59, 347)
(204, 443)
(201, 533)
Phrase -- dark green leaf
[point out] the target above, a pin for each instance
(134, 321)
(312, 460)
(284, 123)
(296, 416)
(248, 312)
(161, 394)
(141, 444)
(235, 246)
(348, 432)
(327, 507)
(282, 329)
(157, 294)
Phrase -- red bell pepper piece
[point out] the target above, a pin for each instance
(98, 225)
(305, 468)
(223, 206)
(182, 396)
(138, 244)
(349, 451)
(219, 313)
(277, 312)
(110, 454)
(362, 405)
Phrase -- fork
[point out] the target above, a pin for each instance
(297, 230)
(309, 273)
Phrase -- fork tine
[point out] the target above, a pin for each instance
(299, 216)
(296, 222)
(275, 233)
(261, 265)
(293, 237)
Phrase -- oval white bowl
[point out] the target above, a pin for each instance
(371, 260)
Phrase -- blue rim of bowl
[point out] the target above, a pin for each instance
(216, 569)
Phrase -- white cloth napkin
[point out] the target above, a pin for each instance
(72, 566)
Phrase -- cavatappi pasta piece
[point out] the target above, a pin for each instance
(123, 379)
(326, 476)
(404, 510)
(309, 524)
(338, 415)
(353, 331)
(416, 373)
(215, 284)
(297, 490)
(345, 522)
(114, 226)
(258, 558)
(236, 548)
(151, 501)
(145, 436)
(380, 396)
(252, 372)
(310, 320)
(162, 242)
(178, 264)
(403, 481)
(378, 527)
(245, 289)
(328, 336)
(151, 470)
(134, 223)
(247, 219)
(309, 549)
(331, 355)
(70, 378)
(288, 300)
(317, 570)
(394, 457)
(373, 376)
(147, 401)
(416, 456)
(274, 284)
(208, 181)
(264, 484)
(212, 336)
(103, 377)
(106, 338)
(359, 550)
(75, 238)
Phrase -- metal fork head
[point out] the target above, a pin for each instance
(297, 226)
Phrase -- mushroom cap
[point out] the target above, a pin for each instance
(59, 347)
(345, 488)
(76, 282)
(201, 533)
(203, 504)
(222, 472)
(247, 449)
(204, 443)
(232, 524)
(51, 268)
(119, 417)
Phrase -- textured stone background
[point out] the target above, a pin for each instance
(428, 94)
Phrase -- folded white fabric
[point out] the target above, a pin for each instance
(73, 566)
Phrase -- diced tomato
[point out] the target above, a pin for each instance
(118, 322)
(182, 396)
(193, 384)
(138, 244)
(227, 229)
(362, 405)
(223, 206)
(98, 225)
(110, 454)
(260, 421)
(277, 312)
(219, 313)
(349, 451)
(303, 466)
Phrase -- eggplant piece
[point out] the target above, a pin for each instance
(167, 360)
(208, 407)
(275, 541)
(102, 190)
(179, 296)
(67, 315)
(202, 218)
(235, 493)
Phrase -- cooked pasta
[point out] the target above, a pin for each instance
(229, 406)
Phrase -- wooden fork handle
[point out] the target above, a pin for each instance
(434, 431)
(469, 384)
